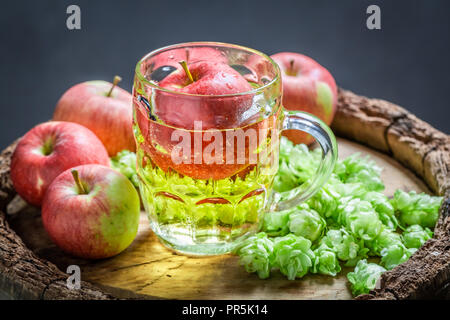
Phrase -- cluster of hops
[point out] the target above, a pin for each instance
(346, 222)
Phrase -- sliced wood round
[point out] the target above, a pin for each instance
(32, 267)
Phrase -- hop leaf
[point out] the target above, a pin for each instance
(364, 277)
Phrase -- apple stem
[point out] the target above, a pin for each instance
(116, 80)
(80, 186)
(291, 65)
(186, 69)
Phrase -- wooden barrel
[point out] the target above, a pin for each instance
(414, 156)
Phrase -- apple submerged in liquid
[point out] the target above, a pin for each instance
(206, 78)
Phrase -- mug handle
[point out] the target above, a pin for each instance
(308, 123)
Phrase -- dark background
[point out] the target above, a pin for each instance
(406, 62)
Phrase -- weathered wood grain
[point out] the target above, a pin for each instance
(148, 269)
(32, 267)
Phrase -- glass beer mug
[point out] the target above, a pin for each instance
(206, 162)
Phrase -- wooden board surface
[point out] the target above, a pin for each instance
(148, 268)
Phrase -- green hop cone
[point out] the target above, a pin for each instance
(415, 236)
(325, 201)
(385, 239)
(256, 254)
(325, 261)
(360, 218)
(360, 169)
(383, 207)
(364, 277)
(276, 223)
(394, 255)
(346, 246)
(293, 256)
(307, 223)
(296, 165)
(413, 208)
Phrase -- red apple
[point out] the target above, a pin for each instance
(103, 108)
(307, 86)
(208, 78)
(49, 149)
(91, 211)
